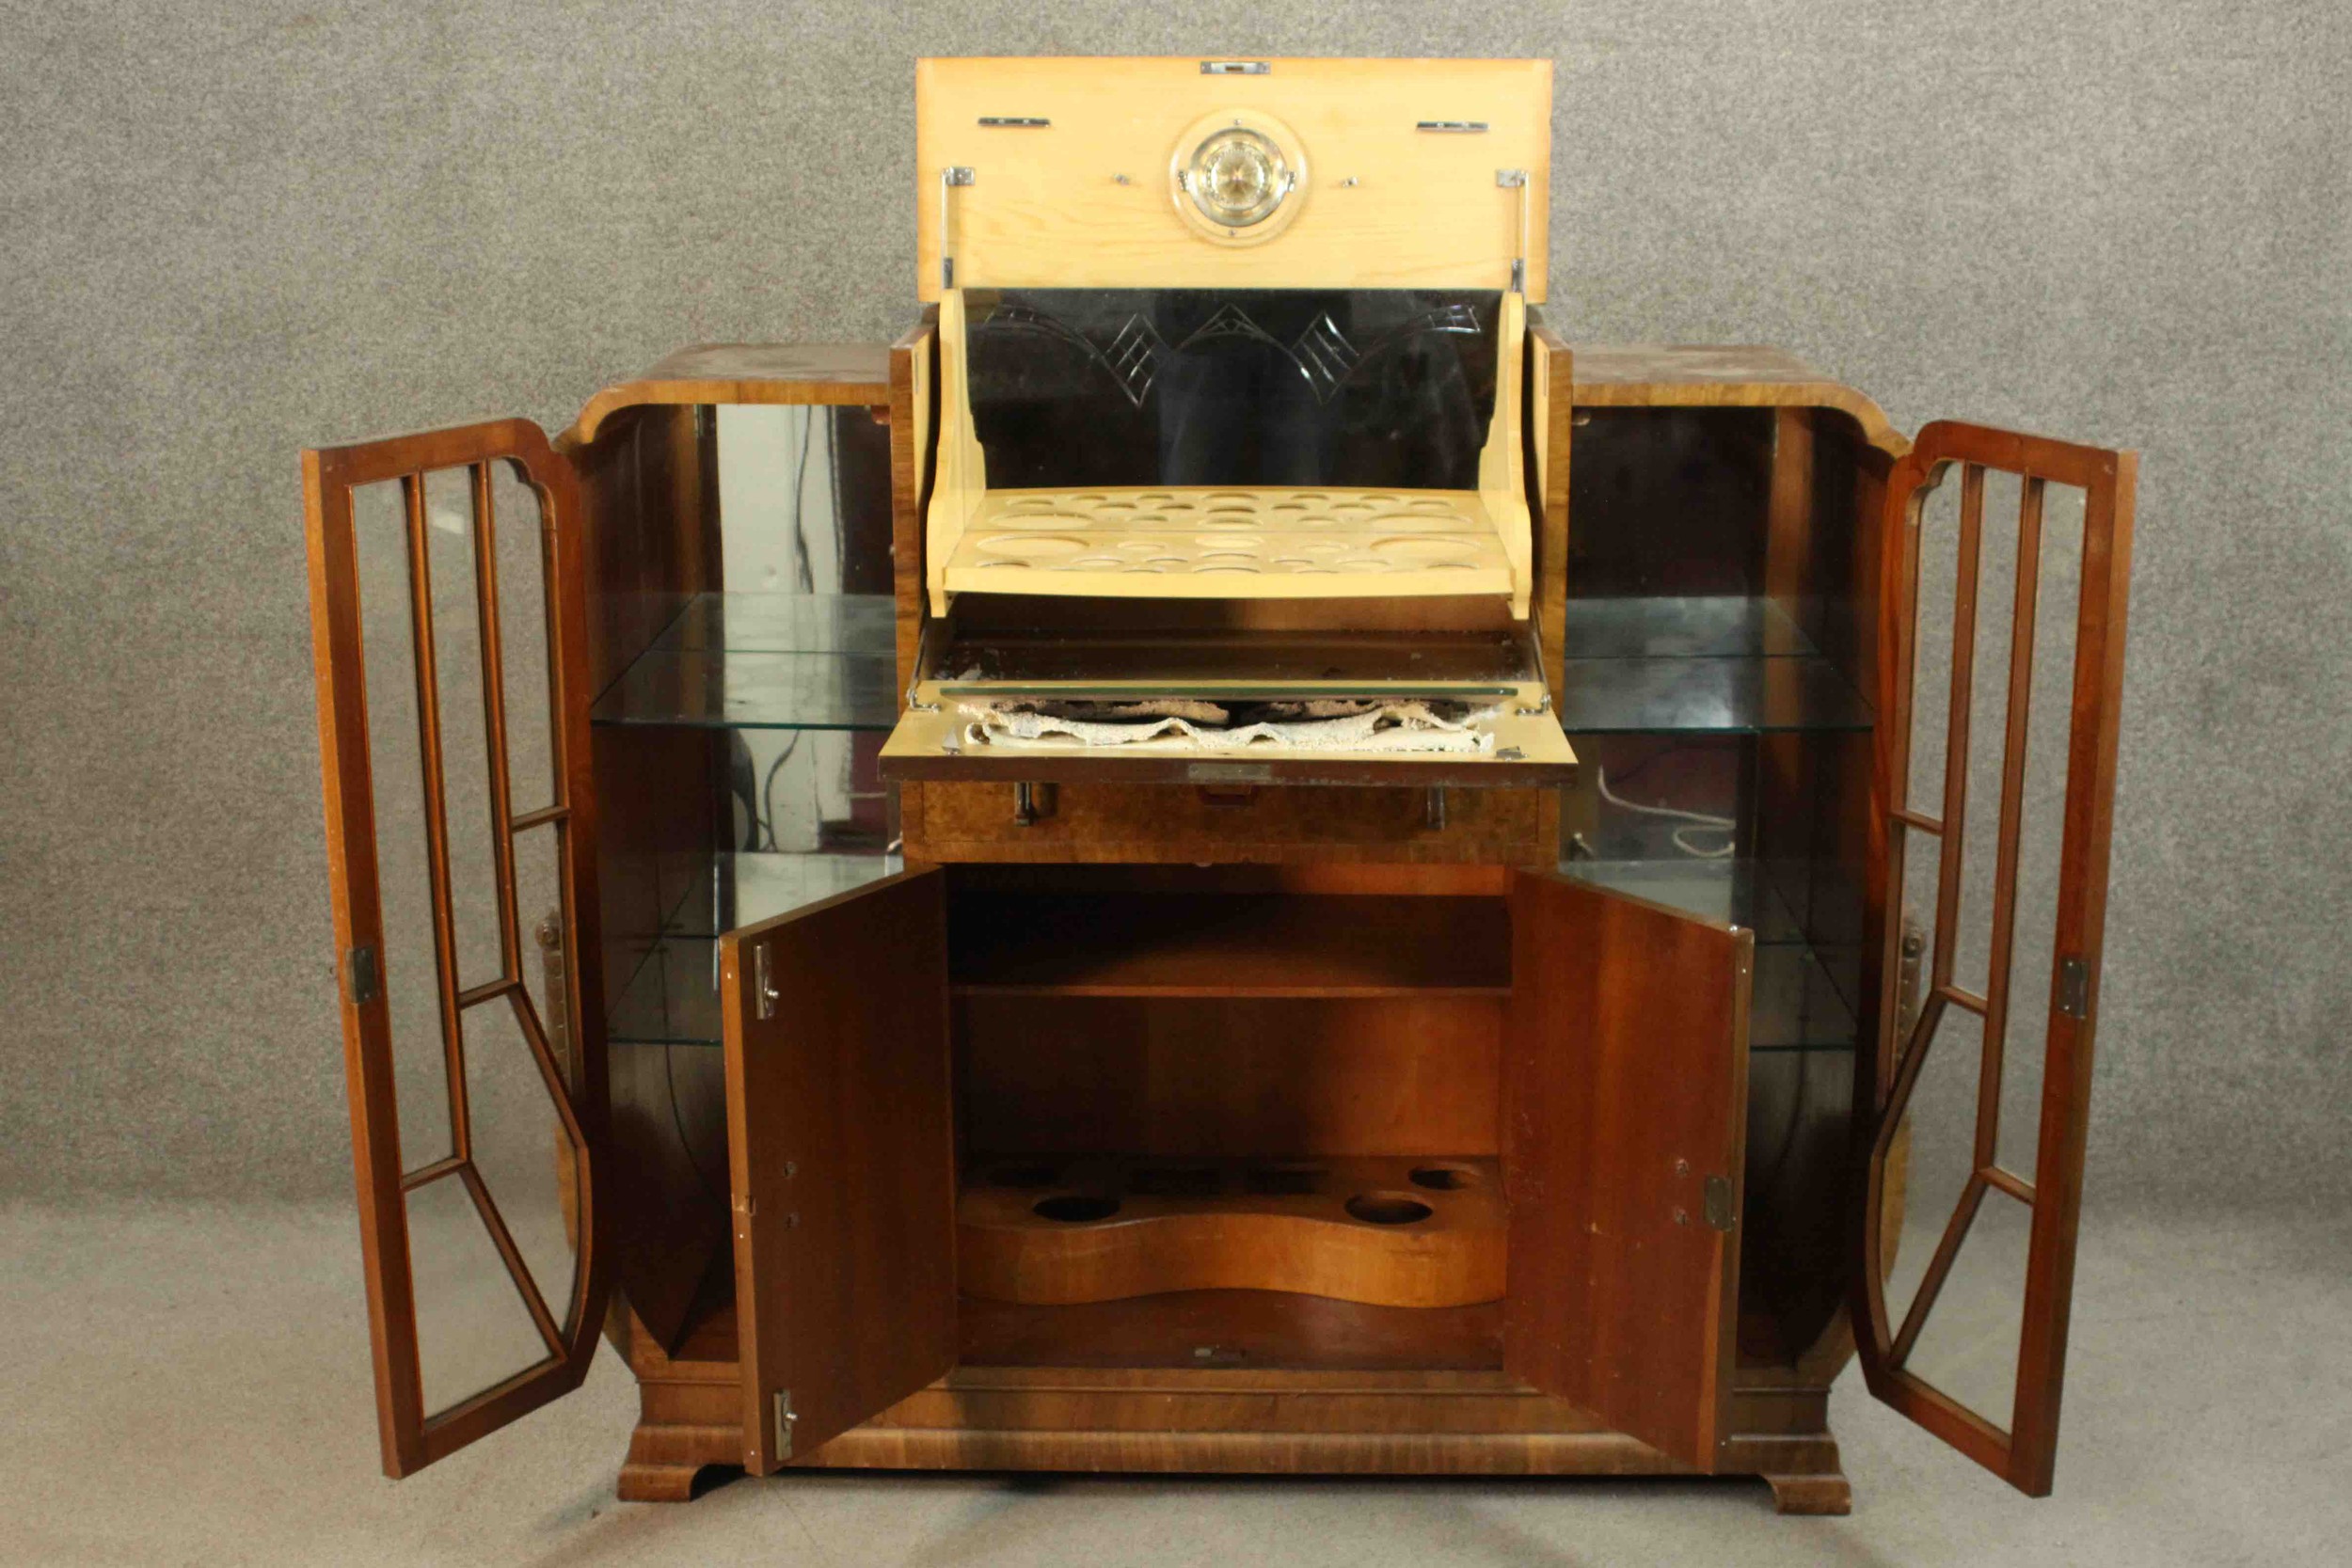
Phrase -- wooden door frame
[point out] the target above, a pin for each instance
(2024, 1453)
(411, 1437)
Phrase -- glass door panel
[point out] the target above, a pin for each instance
(445, 606)
(1996, 766)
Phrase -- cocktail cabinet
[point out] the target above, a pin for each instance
(1234, 855)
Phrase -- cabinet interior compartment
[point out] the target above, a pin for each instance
(1206, 1119)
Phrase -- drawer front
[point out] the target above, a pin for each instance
(1228, 823)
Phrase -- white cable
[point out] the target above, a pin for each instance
(1701, 820)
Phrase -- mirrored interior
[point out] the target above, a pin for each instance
(1390, 387)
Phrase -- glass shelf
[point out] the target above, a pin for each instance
(672, 997)
(773, 661)
(1725, 665)
(1802, 994)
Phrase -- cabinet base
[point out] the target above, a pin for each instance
(670, 1449)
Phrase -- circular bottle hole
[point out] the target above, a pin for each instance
(1388, 1208)
(1078, 1207)
(1445, 1179)
(1025, 1178)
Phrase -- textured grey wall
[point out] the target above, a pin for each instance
(233, 230)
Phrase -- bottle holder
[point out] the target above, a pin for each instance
(1386, 1231)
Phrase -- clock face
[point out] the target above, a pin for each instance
(1238, 177)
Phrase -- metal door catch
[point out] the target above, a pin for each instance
(764, 993)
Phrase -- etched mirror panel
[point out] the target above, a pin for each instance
(1260, 387)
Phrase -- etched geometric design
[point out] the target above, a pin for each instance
(1230, 321)
(1134, 359)
(1322, 353)
(1324, 356)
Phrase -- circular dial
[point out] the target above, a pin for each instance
(1237, 178)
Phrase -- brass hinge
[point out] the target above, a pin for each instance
(2074, 987)
(764, 993)
(363, 975)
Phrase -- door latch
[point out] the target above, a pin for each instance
(764, 993)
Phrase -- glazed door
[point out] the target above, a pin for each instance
(1624, 1138)
(449, 630)
(1996, 771)
(841, 1160)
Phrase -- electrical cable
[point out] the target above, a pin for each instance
(1701, 821)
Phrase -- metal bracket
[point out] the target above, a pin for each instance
(1516, 180)
(363, 975)
(1715, 1202)
(764, 993)
(951, 178)
(785, 1419)
(2074, 988)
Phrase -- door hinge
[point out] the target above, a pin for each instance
(1716, 1202)
(2074, 987)
(785, 1419)
(764, 993)
(363, 976)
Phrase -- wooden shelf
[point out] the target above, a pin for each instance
(1272, 945)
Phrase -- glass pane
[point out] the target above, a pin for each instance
(523, 642)
(520, 1147)
(1988, 723)
(546, 934)
(1932, 665)
(465, 747)
(2041, 829)
(1970, 1345)
(396, 759)
(1708, 695)
(1943, 1120)
(472, 1329)
(755, 690)
(1184, 386)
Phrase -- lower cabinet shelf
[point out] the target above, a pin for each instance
(1391, 1231)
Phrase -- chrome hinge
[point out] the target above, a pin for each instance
(1235, 68)
(1715, 1202)
(363, 976)
(1470, 126)
(764, 993)
(1013, 122)
(951, 178)
(784, 1418)
(2074, 987)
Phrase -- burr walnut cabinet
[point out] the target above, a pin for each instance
(1228, 856)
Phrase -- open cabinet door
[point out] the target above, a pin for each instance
(841, 1160)
(1624, 1135)
(448, 618)
(2001, 1195)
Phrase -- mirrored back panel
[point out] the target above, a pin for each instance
(1383, 388)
